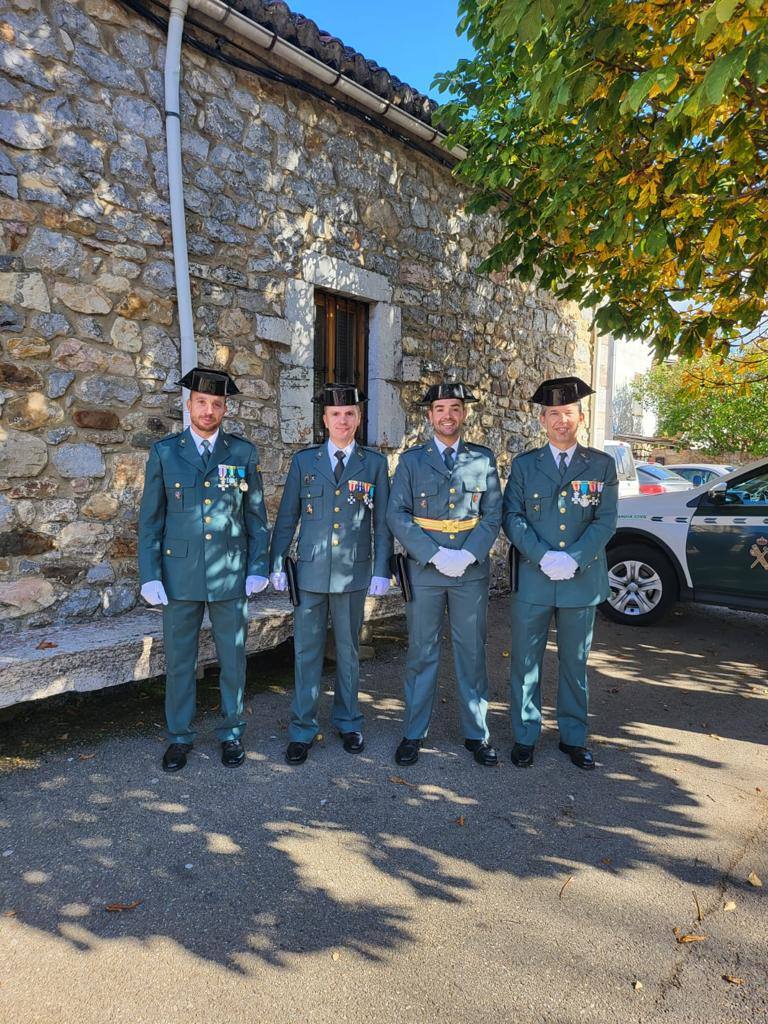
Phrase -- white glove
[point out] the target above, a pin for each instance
(558, 565)
(462, 559)
(255, 585)
(452, 561)
(278, 580)
(379, 586)
(154, 593)
(443, 561)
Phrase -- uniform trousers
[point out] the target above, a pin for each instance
(310, 629)
(530, 628)
(467, 605)
(181, 631)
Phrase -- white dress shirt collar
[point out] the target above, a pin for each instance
(332, 449)
(199, 440)
(557, 452)
(441, 447)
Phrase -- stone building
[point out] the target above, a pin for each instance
(325, 233)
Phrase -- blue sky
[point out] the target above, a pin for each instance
(411, 38)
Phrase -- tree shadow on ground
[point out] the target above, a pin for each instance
(269, 861)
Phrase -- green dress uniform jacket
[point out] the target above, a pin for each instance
(202, 541)
(545, 511)
(343, 540)
(424, 488)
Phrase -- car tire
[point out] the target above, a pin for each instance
(643, 583)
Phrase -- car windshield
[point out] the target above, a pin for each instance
(625, 464)
(752, 491)
(659, 472)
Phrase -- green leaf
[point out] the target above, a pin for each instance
(707, 25)
(724, 9)
(637, 93)
(757, 65)
(720, 73)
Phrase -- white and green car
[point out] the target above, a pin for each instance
(708, 544)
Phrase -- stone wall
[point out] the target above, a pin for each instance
(275, 181)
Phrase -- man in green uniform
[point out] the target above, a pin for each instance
(559, 513)
(203, 540)
(445, 509)
(336, 493)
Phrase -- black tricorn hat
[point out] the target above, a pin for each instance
(339, 394)
(561, 391)
(209, 382)
(455, 389)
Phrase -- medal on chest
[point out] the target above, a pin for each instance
(360, 491)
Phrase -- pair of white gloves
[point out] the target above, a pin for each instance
(558, 565)
(378, 588)
(452, 561)
(154, 591)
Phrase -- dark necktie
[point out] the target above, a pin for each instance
(448, 458)
(206, 452)
(338, 469)
(563, 463)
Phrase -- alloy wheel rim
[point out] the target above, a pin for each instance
(636, 587)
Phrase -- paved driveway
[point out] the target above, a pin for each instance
(352, 890)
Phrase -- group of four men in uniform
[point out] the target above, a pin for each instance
(204, 540)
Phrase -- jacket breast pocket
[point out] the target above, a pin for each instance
(473, 495)
(181, 492)
(305, 551)
(427, 500)
(312, 502)
(534, 503)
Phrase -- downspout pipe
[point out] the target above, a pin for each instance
(188, 345)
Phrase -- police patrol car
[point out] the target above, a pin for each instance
(708, 544)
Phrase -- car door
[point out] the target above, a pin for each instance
(727, 545)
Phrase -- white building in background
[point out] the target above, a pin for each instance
(618, 364)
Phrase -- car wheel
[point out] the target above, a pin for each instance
(643, 585)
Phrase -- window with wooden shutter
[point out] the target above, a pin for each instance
(341, 350)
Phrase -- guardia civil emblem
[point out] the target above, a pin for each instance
(759, 552)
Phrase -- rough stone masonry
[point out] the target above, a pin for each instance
(275, 181)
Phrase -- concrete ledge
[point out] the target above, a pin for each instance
(128, 648)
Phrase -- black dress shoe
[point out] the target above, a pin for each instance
(353, 742)
(581, 756)
(522, 755)
(175, 757)
(408, 751)
(482, 752)
(296, 753)
(232, 753)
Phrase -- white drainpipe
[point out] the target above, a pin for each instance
(176, 191)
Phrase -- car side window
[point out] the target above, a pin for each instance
(750, 490)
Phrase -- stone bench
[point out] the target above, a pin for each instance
(40, 663)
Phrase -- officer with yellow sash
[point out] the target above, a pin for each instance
(445, 509)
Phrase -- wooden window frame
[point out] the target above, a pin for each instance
(328, 305)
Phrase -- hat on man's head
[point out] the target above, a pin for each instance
(441, 392)
(209, 382)
(339, 394)
(561, 391)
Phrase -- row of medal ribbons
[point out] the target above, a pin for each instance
(232, 476)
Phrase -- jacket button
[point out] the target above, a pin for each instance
(562, 526)
(167, 551)
(422, 495)
(208, 536)
(207, 501)
(207, 483)
(452, 490)
(177, 484)
(335, 542)
(207, 519)
(451, 505)
(335, 526)
(562, 543)
(338, 492)
(535, 495)
(337, 509)
(563, 493)
(452, 536)
(562, 511)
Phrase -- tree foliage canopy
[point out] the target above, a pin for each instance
(730, 421)
(625, 143)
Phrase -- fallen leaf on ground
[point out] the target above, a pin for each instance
(566, 883)
(714, 736)
(755, 880)
(637, 985)
(9, 913)
(46, 645)
(606, 860)
(400, 781)
(729, 906)
(334, 956)
(732, 979)
(682, 938)
(86, 757)
(758, 790)
(699, 915)
(117, 908)
(460, 820)
(613, 689)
